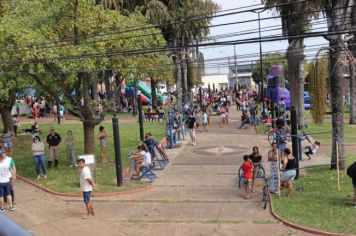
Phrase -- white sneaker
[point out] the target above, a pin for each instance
(38, 176)
(355, 206)
(45, 176)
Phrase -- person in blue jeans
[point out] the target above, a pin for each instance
(38, 150)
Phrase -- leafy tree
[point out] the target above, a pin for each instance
(58, 67)
(165, 14)
(268, 60)
(335, 9)
(317, 81)
(352, 64)
(295, 21)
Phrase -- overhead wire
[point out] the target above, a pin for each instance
(180, 22)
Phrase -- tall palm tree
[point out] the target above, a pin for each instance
(165, 14)
(335, 9)
(352, 47)
(294, 22)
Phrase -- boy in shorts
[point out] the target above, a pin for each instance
(86, 184)
(247, 168)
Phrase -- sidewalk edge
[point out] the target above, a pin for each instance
(96, 195)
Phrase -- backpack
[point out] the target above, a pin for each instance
(351, 170)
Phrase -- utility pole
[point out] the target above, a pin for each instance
(235, 63)
(261, 65)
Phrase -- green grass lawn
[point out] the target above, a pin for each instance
(320, 204)
(65, 179)
(323, 132)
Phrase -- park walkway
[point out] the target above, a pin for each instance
(195, 195)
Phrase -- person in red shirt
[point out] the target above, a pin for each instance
(247, 168)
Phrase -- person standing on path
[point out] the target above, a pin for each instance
(191, 126)
(7, 175)
(273, 159)
(205, 121)
(86, 184)
(247, 168)
(7, 139)
(53, 140)
(256, 159)
(70, 148)
(38, 150)
(102, 141)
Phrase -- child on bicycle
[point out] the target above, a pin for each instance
(247, 168)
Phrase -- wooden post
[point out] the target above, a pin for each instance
(337, 165)
(279, 172)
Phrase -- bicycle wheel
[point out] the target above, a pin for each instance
(261, 173)
(271, 137)
(240, 177)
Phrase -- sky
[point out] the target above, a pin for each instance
(243, 49)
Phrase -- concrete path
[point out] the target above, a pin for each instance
(196, 194)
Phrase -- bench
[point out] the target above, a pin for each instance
(154, 116)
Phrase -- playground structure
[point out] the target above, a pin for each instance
(146, 94)
(277, 88)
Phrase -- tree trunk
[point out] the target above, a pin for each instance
(5, 110)
(89, 137)
(337, 106)
(352, 47)
(352, 94)
(117, 93)
(296, 77)
(154, 94)
(301, 95)
(88, 114)
(6, 118)
(134, 98)
(179, 84)
(185, 81)
(109, 93)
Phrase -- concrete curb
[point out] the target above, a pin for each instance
(96, 195)
(299, 227)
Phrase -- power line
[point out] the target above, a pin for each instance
(180, 22)
(209, 63)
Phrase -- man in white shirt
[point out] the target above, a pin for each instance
(7, 171)
(86, 184)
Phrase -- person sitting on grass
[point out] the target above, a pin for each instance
(244, 119)
(247, 168)
(312, 149)
(288, 171)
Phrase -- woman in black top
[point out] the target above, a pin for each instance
(288, 171)
(256, 159)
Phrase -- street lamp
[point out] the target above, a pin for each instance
(261, 64)
(228, 58)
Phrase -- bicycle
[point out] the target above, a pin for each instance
(265, 192)
(260, 174)
(272, 135)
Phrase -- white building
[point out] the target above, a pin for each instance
(244, 75)
(215, 80)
